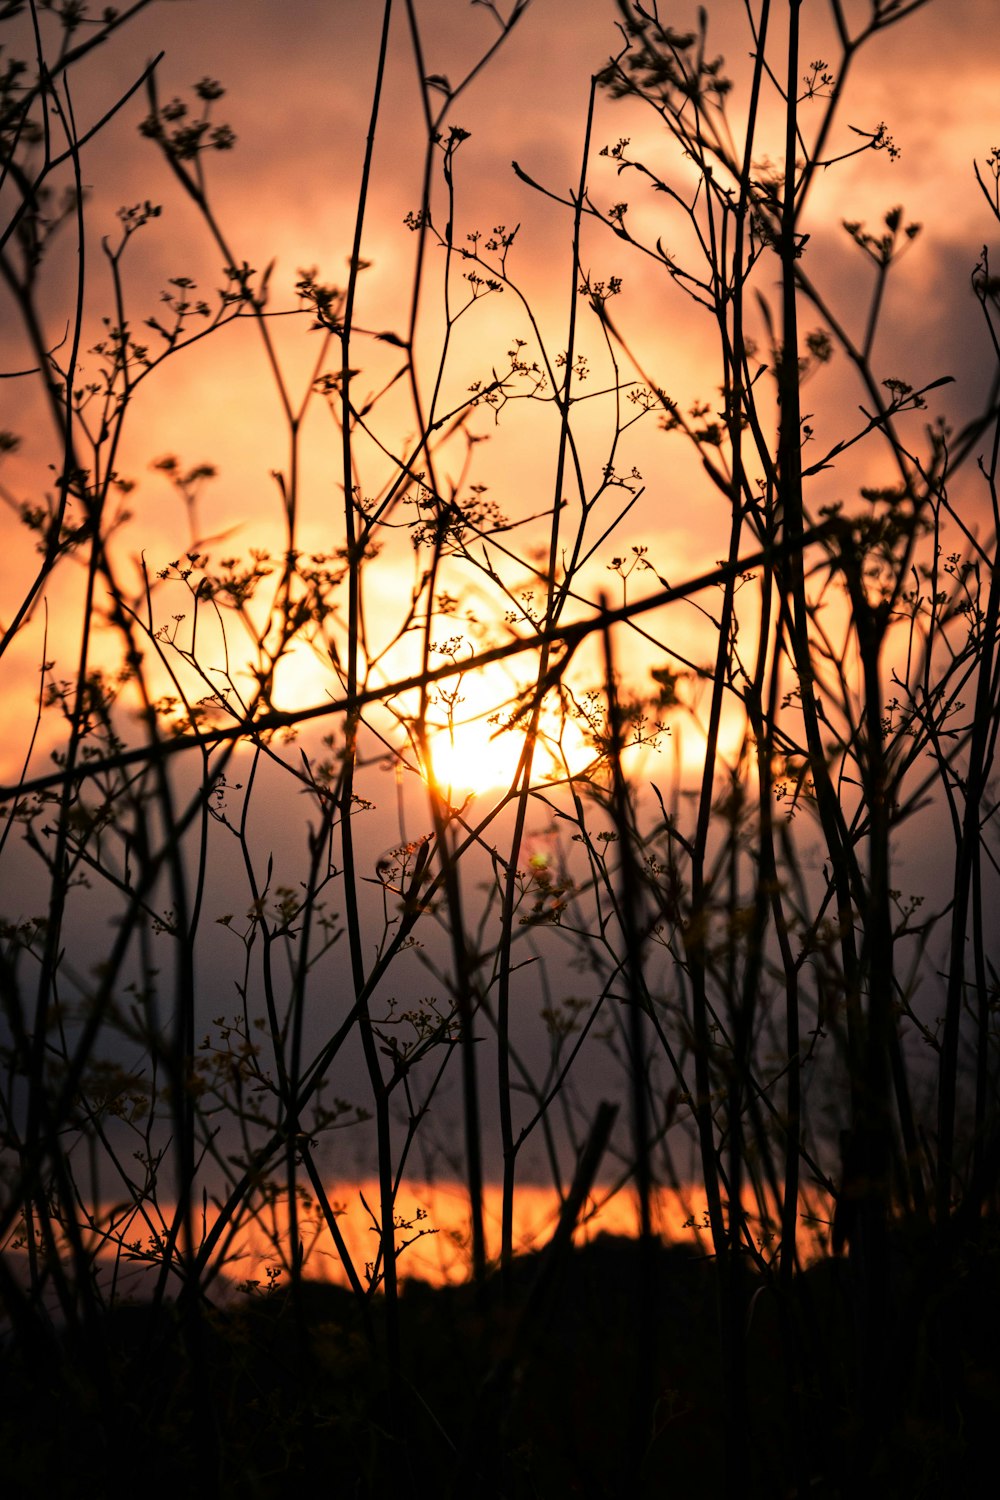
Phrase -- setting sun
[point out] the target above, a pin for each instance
(478, 749)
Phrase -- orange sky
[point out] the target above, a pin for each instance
(298, 94)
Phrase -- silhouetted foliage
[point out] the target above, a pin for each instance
(228, 950)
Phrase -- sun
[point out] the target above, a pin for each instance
(475, 738)
(473, 755)
(475, 748)
(474, 744)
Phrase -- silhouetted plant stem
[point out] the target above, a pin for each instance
(352, 913)
(966, 894)
(630, 905)
(464, 998)
(790, 501)
(554, 600)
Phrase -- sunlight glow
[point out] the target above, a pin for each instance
(472, 749)
(473, 746)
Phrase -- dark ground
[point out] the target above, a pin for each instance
(523, 1396)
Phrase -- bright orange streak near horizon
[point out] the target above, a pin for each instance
(441, 1254)
(433, 1234)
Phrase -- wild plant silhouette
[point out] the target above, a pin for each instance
(261, 940)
